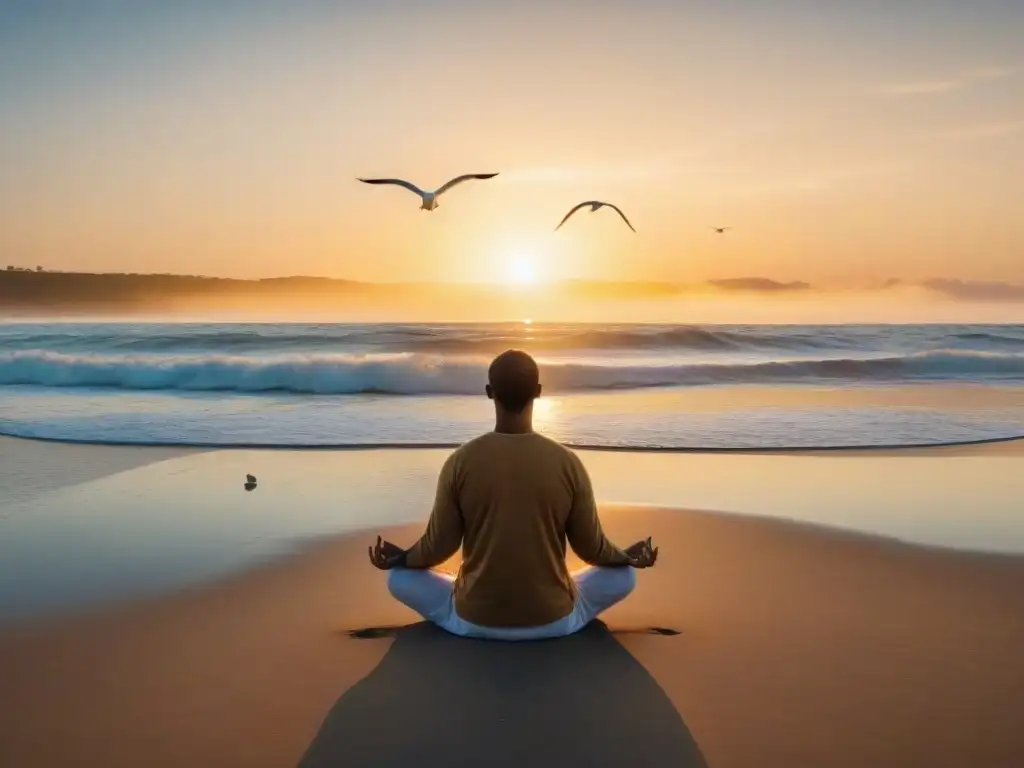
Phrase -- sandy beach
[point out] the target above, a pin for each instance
(798, 645)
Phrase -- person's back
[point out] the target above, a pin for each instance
(519, 497)
(512, 499)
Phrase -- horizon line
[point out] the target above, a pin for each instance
(754, 281)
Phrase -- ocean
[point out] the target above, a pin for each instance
(606, 386)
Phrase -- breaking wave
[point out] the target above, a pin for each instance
(462, 340)
(415, 374)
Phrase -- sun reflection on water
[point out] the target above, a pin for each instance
(546, 412)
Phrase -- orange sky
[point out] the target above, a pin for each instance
(844, 145)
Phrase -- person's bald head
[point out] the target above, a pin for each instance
(513, 380)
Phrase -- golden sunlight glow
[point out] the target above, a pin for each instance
(545, 414)
(520, 269)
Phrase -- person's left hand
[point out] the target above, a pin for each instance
(385, 555)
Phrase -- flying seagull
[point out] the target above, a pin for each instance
(721, 230)
(594, 205)
(250, 482)
(430, 198)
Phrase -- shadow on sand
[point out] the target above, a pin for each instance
(436, 699)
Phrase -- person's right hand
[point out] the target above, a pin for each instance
(641, 554)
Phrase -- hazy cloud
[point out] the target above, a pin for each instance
(759, 284)
(976, 291)
(943, 84)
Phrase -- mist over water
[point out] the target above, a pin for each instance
(609, 385)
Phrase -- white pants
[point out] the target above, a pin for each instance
(429, 593)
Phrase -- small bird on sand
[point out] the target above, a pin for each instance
(250, 482)
(721, 230)
(430, 198)
(594, 205)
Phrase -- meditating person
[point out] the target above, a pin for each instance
(511, 498)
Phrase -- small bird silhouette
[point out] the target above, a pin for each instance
(594, 206)
(721, 230)
(429, 199)
(250, 482)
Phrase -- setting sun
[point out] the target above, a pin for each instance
(521, 270)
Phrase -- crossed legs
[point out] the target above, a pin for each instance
(429, 593)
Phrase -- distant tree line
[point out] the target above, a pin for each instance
(24, 287)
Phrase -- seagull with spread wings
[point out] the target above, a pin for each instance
(721, 230)
(594, 205)
(430, 198)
